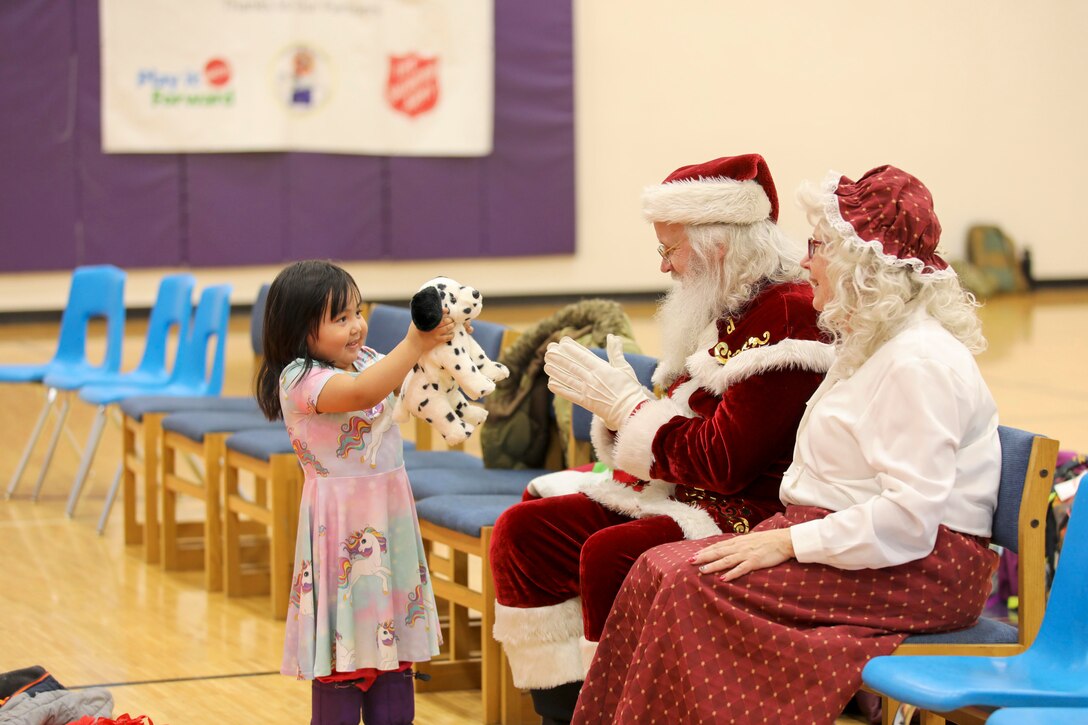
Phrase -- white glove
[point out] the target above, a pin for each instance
(614, 347)
(575, 373)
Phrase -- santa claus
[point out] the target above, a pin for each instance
(742, 354)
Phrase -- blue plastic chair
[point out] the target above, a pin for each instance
(96, 292)
(172, 310)
(1053, 672)
(142, 422)
(1039, 716)
(190, 377)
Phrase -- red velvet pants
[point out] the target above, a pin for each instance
(549, 550)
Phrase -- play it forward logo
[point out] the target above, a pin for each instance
(206, 87)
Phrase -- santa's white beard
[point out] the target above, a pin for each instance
(692, 304)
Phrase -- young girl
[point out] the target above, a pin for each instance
(362, 610)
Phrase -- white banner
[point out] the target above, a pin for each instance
(384, 77)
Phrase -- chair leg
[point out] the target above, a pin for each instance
(152, 440)
(214, 451)
(460, 628)
(901, 715)
(491, 663)
(52, 446)
(168, 525)
(88, 458)
(232, 558)
(110, 496)
(134, 533)
(50, 399)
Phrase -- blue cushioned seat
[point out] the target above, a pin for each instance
(415, 460)
(261, 443)
(484, 481)
(465, 514)
(984, 631)
(139, 406)
(195, 424)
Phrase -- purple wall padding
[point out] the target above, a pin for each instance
(63, 202)
(130, 204)
(436, 207)
(37, 184)
(532, 213)
(336, 206)
(235, 209)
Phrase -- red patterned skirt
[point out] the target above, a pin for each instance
(780, 645)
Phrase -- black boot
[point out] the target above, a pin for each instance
(556, 704)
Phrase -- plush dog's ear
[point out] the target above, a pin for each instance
(427, 309)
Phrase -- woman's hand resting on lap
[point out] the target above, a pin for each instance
(744, 553)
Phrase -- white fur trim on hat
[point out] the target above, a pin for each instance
(715, 200)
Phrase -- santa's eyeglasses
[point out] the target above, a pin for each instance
(813, 245)
(667, 252)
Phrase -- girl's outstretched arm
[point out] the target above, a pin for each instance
(345, 393)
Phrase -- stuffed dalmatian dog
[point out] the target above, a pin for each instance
(432, 390)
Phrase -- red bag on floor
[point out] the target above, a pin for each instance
(124, 719)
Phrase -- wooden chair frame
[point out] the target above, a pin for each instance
(472, 658)
(1031, 580)
(274, 508)
(209, 532)
(141, 435)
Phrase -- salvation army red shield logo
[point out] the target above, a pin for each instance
(412, 87)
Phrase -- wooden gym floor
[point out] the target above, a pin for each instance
(92, 613)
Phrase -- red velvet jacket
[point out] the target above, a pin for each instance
(724, 434)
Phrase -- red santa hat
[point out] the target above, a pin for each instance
(891, 212)
(729, 190)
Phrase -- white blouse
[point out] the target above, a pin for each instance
(908, 442)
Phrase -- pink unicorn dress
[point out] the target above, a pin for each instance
(361, 594)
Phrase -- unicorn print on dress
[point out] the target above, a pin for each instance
(387, 646)
(364, 558)
(351, 436)
(343, 659)
(302, 590)
(308, 458)
(417, 608)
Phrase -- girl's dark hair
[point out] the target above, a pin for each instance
(297, 302)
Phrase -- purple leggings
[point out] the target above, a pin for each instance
(389, 701)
